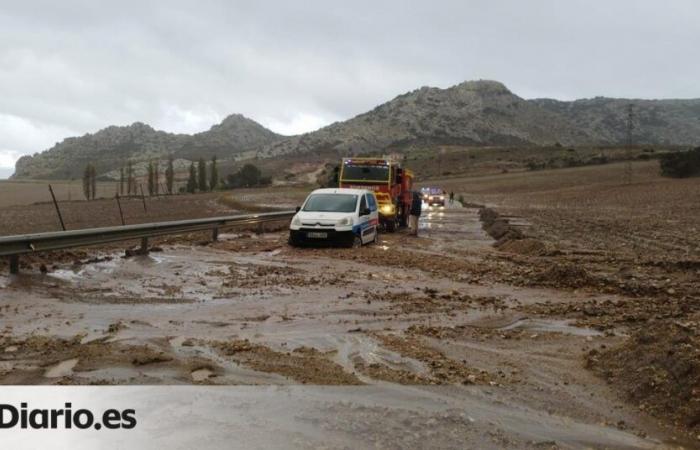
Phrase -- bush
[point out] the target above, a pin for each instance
(248, 176)
(681, 164)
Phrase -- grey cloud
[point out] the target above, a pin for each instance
(77, 66)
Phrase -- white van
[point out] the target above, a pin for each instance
(341, 216)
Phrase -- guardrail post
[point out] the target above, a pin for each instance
(144, 245)
(215, 234)
(14, 264)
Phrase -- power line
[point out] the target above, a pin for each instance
(628, 153)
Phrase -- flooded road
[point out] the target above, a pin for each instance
(408, 328)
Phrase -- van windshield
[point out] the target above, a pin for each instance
(365, 173)
(331, 203)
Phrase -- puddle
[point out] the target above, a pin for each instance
(83, 270)
(62, 369)
(551, 326)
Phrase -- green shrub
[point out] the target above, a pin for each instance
(681, 164)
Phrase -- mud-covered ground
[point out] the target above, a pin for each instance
(512, 343)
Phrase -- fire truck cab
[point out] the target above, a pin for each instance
(390, 183)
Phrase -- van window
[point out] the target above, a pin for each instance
(363, 203)
(371, 202)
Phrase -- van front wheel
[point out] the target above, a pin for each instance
(356, 242)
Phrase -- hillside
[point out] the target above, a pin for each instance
(473, 113)
(470, 113)
(486, 113)
(111, 147)
(664, 122)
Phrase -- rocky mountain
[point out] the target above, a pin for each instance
(666, 122)
(487, 113)
(111, 147)
(470, 113)
(480, 113)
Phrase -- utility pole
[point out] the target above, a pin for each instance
(628, 153)
(58, 210)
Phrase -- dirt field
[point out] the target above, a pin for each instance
(26, 192)
(40, 217)
(579, 329)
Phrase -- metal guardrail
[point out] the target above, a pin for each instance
(14, 246)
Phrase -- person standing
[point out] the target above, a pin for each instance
(452, 197)
(416, 209)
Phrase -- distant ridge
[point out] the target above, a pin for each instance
(480, 113)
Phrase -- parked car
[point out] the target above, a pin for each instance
(337, 216)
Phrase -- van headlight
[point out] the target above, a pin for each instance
(296, 221)
(344, 221)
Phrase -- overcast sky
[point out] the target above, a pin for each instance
(72, 67)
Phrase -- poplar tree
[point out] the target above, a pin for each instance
(192, 180)
(213, 174)
(170, 175)
(202, 173)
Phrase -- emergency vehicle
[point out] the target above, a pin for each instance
(339, 216)
(390, 183)
(433, 196)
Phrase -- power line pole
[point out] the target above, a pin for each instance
(628, 153)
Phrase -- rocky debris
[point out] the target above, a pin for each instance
(35, 354)
(443, 370)
(498, 227)
(564, 275)
(303, 364)
(429, 301)
(606, 314)
(657, 368)
(525, 246)
(378, 371)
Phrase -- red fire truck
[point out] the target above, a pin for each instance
(390, 182)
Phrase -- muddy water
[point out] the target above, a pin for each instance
(183, 301)
(62, 369)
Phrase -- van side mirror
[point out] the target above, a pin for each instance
(298, 209)
(365, 212)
